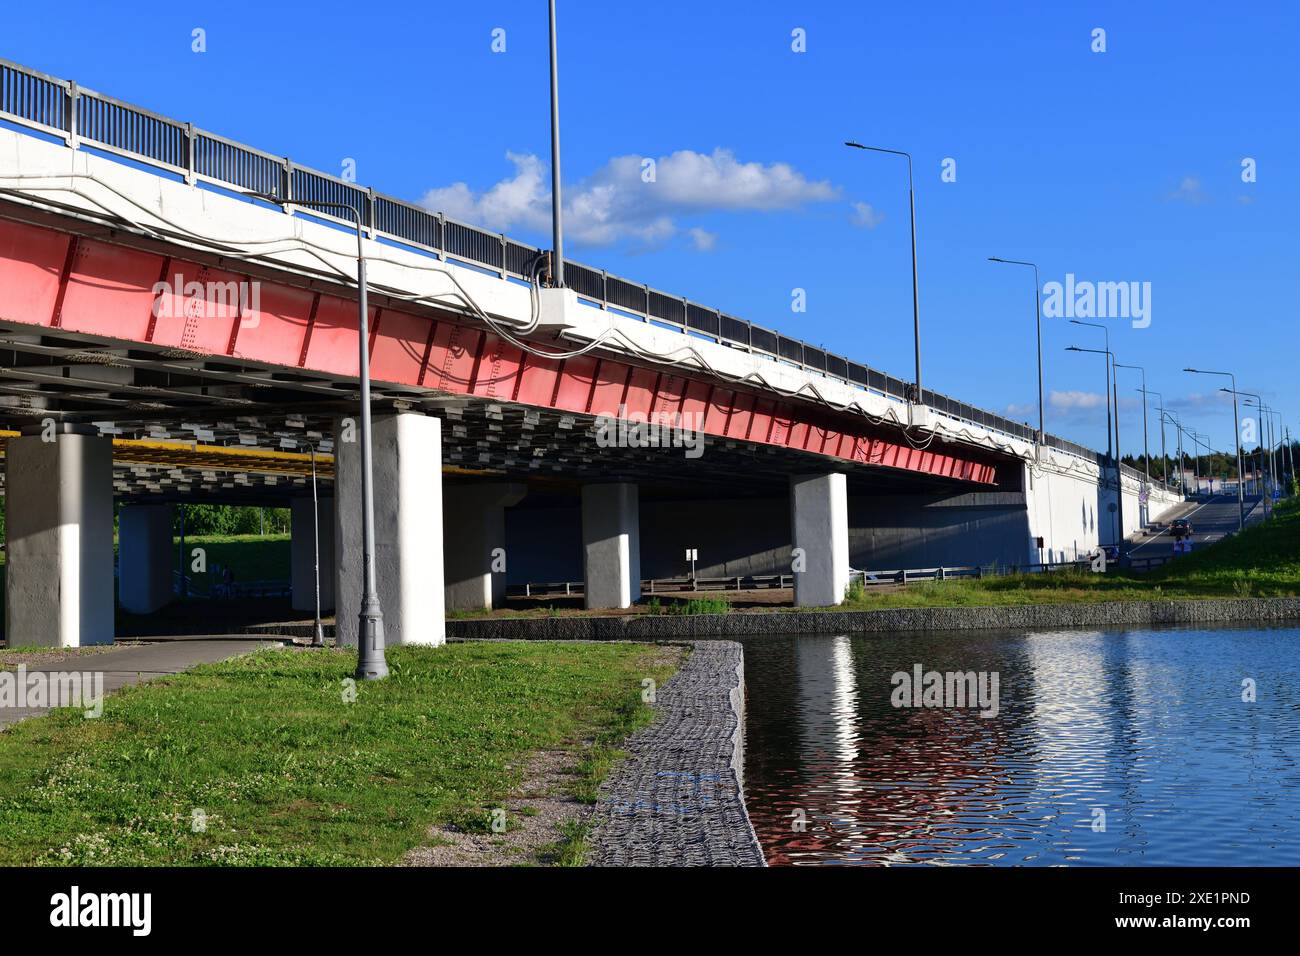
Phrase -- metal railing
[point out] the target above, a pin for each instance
(78, 115)
(760, 582)
(889, 578)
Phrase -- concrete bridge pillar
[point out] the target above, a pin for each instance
(302, 553)
(59, 540)
(819, 521)
(408, 527)
(145, 556)
(474, 542)
(611, 544)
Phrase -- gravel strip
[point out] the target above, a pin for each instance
(677, 799)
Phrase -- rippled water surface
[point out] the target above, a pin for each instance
(1147, 727)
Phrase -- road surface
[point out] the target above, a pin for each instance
(1211, 520)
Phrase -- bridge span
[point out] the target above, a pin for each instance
(147, 294)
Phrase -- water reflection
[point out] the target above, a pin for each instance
(1109, 748)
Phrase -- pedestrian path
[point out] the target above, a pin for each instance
(121, 667)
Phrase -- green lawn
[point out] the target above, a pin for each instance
(251, 557)
(284, 772)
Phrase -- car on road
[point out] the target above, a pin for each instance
(1180, 528)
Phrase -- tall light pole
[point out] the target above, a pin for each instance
(1266, 429)
(318, 638)
(1273, 453)
(1266, 433)
(371, 664)
(1179, 431)
(557, 214)
(1196, 459)
(1146, 455)
(1201, 440)
(1038, 322)
(1119, 476)
(1164, 459)
(916, 292)
(1259, 449)
(1178, 449)
(1290, 456)
(1109, 429)
(1236, 425)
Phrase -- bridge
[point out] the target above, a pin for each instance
(176, 326)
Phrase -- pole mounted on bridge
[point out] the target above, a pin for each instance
(1146, 453)
(1236, 426)
(1265, 427)
(1179, 432)
(916, 293)
(1114, 455)
(1202, 441)
(371, 663)
(1274, 453)
(1038, 322)
(1112, 425)
(557, 213)
(1164, 458)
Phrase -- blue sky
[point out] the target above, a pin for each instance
(1123, 165)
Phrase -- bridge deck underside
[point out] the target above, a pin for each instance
(84, 337)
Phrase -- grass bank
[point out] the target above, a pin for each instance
(1262, 561)
(251, 557)
(261, 760)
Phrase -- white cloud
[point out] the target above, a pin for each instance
(1073, 401)
(1189, 191)
(1215, 401)
(703, 239)
(616, 204)
(866, 217)
(1072, 407)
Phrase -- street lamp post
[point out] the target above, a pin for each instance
(1272, 444)
(1164, 458)
(1109, 429)
(1119, 476)
(1265, 434)
(1236, 425)
(557, 215)
(1290, 454)
(1038, 322)
(1146, 454)
(1201, 441)
(1179, 431)
(916, 293)
(1178, 443)
(1259, 448)
(318, 638)
(1182, 456)
(371, 664)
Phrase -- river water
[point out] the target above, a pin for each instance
(1118, 747)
